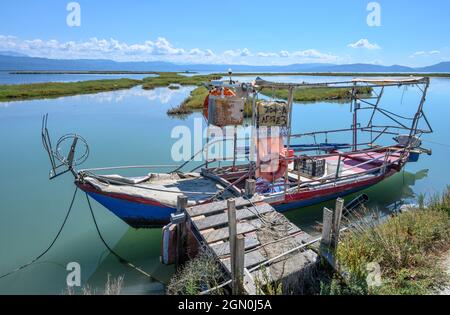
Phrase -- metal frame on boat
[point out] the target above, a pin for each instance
(344, 168)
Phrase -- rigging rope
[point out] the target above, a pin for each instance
(51, 244)
(120, 258)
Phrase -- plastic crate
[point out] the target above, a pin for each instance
(310, 167)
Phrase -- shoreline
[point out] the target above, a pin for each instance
(239, 74)
(48, 90)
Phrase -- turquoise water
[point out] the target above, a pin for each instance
(131, 127)
(7, 78)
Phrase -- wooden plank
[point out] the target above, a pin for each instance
(251, 259)
(222, 218)
(223, 249)
(215, 207)
(212, 236)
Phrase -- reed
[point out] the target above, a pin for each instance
(407, 247)
(195, 100)
(165, 79)
(59, 89)
(317, 94)
(199, 274)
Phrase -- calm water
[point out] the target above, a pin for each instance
(131, 127)
(7, 78)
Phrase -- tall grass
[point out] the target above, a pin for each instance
(166, 78)
(197, 97)
(317, 94)
(58, 89)
(407, 247)
(113, 286)
(199, 274)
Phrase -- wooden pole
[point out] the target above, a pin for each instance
(288, 140)
(181, 237)
(337, 216)
(238, 279)
(250, 187)
(232, 229)
(327, 226)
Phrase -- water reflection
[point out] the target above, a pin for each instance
(392, 190)
(161, 95)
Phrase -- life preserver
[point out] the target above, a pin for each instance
(215, 92)
(285, 158)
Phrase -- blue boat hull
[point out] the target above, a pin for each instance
(137, 215)
(140, 215)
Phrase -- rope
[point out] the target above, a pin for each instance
(51, 244)
(120, 258)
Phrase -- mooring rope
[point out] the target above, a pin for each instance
(120, 258)
(51, 244)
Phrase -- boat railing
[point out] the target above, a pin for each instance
(112, 168)
(337, 178)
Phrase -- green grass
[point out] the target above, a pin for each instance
(316, 94)
(166, 78)
(195, 100)
(53, 90)
(58, 89)
(407, 248)
(199, 274)
(83, 72)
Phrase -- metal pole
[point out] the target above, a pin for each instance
(288, 141)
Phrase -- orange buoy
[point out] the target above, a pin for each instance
(215, 92)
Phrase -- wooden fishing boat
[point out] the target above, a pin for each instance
(294, 178)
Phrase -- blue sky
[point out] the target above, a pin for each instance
(412, 33)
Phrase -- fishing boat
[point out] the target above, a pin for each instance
(274, 164)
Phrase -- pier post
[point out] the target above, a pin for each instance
(238, 277)
(337, 216)
(250, 187)
(330, 232)
(181, 239)
(232, 231)
(327, 235)
(327, 226)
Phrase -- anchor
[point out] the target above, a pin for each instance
(61, 161)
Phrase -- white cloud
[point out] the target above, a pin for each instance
(160, 49)
(284, 54)
(425, 53)
(267, 54)
(364, 43)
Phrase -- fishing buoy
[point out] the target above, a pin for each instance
(273, 158)
(168, 248)
(215, 92)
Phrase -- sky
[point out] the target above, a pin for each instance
(282, 32)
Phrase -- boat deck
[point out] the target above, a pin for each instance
(163, 188)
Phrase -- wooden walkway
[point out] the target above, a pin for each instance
(269, 241)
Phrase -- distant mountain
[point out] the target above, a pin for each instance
(362, 67)
(12, 54)
(11, 61)
(440, 67)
